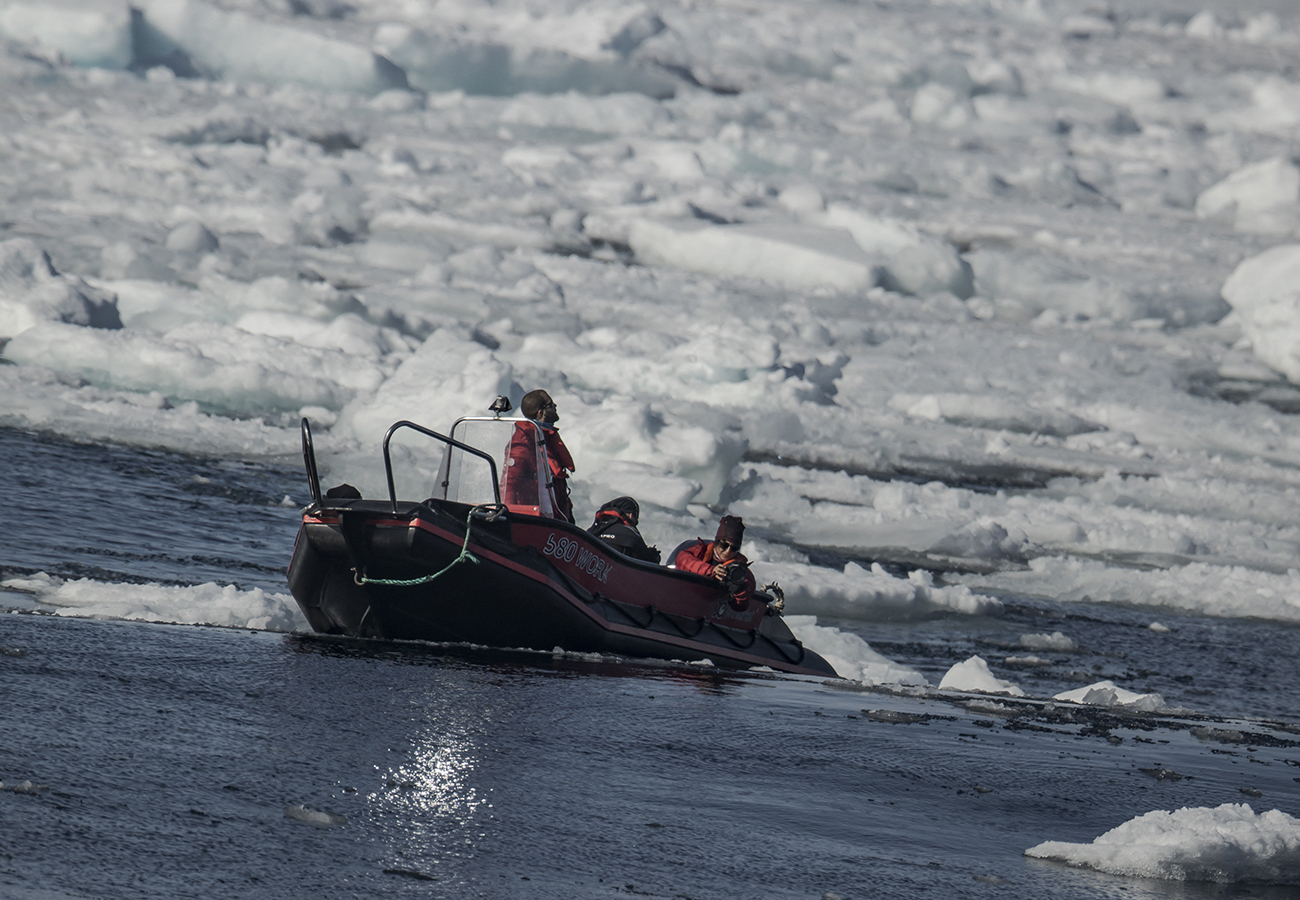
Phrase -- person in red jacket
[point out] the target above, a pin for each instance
(520, 478)
(721, 559)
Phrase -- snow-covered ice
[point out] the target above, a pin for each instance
(858, 593)
(974, 675)
(1227, 844)
(1105, 693)
(201, 604)
(850, 655)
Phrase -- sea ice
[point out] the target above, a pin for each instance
(27, 787)
(1263, 293)
(191, 237)
(791, 257)
(992, 413)
(447, 377)
(1227, 844)
(32, 292)
(312, 816)
(910, 262)
(986, 539)
(974, 675)
(1210, 589)
(1054, 641)
(203, 604)
(234, 45)
(86, 32)
(220, 366)
(1204, 25)
(39, 398)
(1032, 661)
(1263, 198)
(860, 593)
(851, 656)
(1105, 693)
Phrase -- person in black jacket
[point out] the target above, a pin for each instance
(616, 525)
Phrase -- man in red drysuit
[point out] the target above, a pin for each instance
(520, 481)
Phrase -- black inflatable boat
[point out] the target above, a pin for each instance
(462, 566)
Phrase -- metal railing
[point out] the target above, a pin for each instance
(452, 442)
(309, 462)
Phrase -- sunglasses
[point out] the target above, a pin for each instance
(728, 545)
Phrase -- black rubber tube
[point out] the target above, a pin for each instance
(779, 649)
(753, 636)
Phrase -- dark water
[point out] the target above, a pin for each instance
(171, 752)
(1227, 667)
(123, 514)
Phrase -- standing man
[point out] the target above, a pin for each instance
(722, 560)
(538, 406)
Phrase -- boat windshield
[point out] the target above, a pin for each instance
(518, 443)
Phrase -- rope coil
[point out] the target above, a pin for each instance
(464, 556)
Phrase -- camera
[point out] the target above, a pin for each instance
(733, 578)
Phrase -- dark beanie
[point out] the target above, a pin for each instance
(625, 505)
(732, 529)
(531, 405)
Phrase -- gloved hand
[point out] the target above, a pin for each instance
(733, 576)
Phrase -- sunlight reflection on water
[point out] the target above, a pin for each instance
(438, 783)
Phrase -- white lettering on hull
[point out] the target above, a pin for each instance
(562, 548)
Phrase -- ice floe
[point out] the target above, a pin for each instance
(1227, 844)
(860, 593)
(851, 656)
(974, 675)
(203, 604)
(1212, 589)
(1263, 294)
(301, 813)
(1054, 641)
(1105, 693)
(33, 292)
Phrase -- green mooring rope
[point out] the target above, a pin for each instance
(425, 579)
